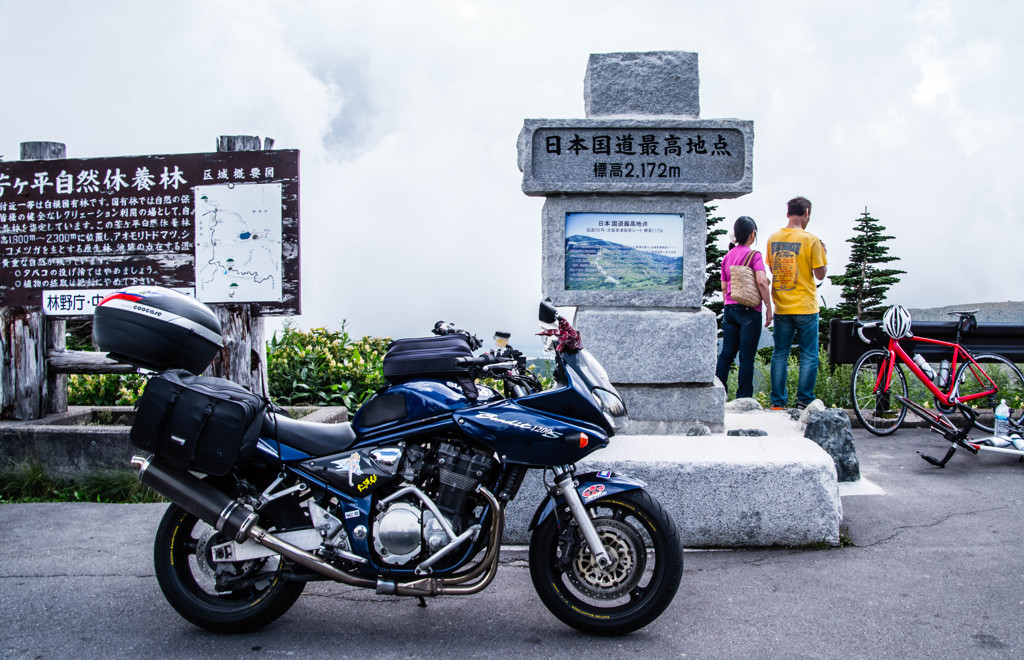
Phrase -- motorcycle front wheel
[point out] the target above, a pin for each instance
(647, 556)
(220, 596)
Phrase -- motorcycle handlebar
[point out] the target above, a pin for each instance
(478, 361)
(442, 328)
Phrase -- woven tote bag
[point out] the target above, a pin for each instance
(742, 283)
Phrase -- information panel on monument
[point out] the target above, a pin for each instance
(624, 251)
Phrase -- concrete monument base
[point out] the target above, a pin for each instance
(722, 491)
(662, 362)
(673, 409)
(651, 346)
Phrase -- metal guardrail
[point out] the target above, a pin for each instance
(1006, 339)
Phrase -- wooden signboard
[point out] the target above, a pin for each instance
(224, 224)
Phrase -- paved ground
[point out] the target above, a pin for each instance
(934, 572)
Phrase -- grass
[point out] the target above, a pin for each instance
(832, 386)
(29, 482)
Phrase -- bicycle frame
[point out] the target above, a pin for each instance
(896, 351)
(959, 438)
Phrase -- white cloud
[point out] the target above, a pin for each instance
(406, 115)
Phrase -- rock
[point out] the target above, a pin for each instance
(815, 406)
(830, 429)
(699, 429)
(743, 405)
(750, 433)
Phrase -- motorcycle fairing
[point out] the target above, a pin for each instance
(278, 451)
(358, 473)
(522, 435)
(567, 399)
(591, 486)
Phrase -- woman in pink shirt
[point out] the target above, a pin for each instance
(741, 325)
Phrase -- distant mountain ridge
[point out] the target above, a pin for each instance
(1011, 311)
(592, 263)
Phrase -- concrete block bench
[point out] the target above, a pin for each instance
(722, 491)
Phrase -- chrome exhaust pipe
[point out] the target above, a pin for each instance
(309, 560)
(229, 516)
(456, 585)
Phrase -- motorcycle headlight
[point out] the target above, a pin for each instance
(611, 404)
(612, 407)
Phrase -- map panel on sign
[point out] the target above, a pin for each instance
(238, 242)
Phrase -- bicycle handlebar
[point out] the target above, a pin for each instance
(859, 327)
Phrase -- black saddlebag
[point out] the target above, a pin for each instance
(200, 423)
(426, 357)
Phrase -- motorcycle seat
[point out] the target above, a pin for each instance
(313, 438)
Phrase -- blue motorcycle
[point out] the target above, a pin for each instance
(408, 499)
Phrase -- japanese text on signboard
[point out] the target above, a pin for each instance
(658, 154)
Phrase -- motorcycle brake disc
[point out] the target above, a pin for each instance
(629, 560)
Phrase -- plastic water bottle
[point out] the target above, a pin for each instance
(1002, 426)
(925, 367)
(943, 374)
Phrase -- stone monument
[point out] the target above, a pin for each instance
(624, 228)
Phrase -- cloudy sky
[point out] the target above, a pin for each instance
(406, 115)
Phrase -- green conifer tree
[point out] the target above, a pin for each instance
(713, 257)
(865, 284)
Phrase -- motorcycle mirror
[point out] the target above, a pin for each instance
(548, 313)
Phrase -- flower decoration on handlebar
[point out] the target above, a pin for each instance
(568, 337)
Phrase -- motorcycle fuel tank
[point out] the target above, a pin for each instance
(414, 400)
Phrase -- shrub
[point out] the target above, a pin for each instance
(317, 367)
(105, 389)
(323, 367)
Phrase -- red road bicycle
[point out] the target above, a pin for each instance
(878, 386)
(959, 438)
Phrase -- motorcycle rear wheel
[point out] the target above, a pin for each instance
(644, 543)
(187, 575)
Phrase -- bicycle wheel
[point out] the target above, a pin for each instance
(970, 380)
(877, 409)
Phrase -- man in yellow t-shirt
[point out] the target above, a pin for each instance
(795, 258)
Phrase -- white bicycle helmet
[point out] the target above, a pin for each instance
(896, 322)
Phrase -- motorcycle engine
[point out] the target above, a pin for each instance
(448, 474)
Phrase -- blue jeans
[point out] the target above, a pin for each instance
(741, 330)
(805, 327)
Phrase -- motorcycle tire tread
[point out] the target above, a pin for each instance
(229, 620)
